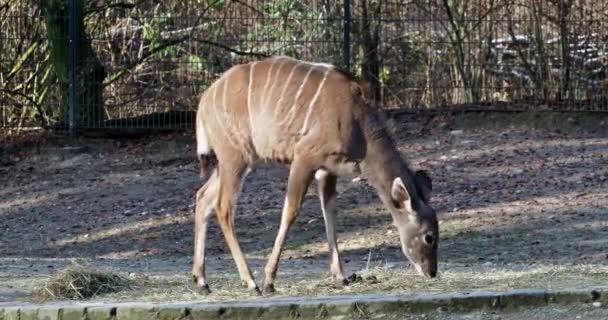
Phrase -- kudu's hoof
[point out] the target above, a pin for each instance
(354, 278)
(255, 292)
(203, 290)
(200, 286)
(269, 289)
(341, 283)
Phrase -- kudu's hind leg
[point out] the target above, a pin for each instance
(230, 185)
(205, 202)
(327, 194)
(300, 176)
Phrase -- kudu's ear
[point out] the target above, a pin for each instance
(399, 192)
(366, 90)
(423, 180)
(362, 89)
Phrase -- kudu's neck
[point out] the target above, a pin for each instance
(383, 162)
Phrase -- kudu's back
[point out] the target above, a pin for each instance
(278, 108)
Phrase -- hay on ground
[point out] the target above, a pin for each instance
(77, 282)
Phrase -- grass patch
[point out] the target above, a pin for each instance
(453, 278)
(78, 282)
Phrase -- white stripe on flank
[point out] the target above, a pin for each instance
(312, 102)
(224, 111)
(275, 82)
(265, 92)
(225, 133)
(214, 106)
(202, 142)
(214, 111)
(291, 115)
(232, 122)
(249, 105)
(224, 95)
(297, 64)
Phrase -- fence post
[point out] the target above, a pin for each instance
(346, 48)
(72, 99)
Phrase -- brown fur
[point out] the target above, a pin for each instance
(313, 116)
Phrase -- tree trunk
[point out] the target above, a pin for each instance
(370, 35)
(89, 71)
(458, 42)
(542, 73)
(564, 12)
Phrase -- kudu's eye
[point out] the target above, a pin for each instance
(428, 239)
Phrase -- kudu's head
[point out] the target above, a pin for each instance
(406, 194)
(416, 221)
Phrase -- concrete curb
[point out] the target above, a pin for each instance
(330, 307)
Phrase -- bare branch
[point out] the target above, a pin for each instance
(227, 48)
(119, 5)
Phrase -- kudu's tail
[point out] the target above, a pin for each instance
(206, 155)
(208, 162)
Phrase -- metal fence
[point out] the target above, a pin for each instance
(142, 64)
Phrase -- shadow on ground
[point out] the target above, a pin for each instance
(505, 196)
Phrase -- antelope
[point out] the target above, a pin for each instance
(318, 119)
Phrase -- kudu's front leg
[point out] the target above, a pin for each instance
(300, 177)
(327, 195)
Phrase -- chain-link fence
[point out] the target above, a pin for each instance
(142, 63)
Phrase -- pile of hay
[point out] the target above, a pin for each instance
(77, 282)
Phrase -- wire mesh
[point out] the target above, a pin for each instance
(441, 53)
(149, 60)
(29, 90)
(163, 56)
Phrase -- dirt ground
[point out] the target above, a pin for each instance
(523, 202)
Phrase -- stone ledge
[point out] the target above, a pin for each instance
(330, 307)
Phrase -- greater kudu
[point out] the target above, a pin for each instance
(316, 118)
